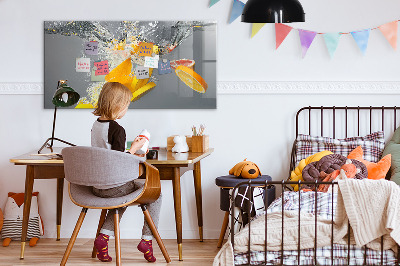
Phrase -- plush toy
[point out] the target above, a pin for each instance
(348, 170)
(180, 144)
(296, 174)
(245, 169)
(13, 215)
(375, 170)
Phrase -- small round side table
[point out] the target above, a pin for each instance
(228, 182)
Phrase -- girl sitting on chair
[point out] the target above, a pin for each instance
(113, 103)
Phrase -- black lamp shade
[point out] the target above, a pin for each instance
(65, 96)
(273, 11)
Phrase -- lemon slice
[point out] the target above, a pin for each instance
(191, 79)
(121, 73)
(142, 90)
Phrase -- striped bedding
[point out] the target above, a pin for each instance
(322, 207)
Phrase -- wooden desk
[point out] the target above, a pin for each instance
(170, 165)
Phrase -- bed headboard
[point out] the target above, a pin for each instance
(344, 121)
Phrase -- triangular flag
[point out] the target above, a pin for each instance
(213, 2)
(255, 28)
(332, 41)
(281, 31)
(361, 37)
(390, 32)
(306, 39)
(237, 9)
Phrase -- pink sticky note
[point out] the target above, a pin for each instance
(101, 68)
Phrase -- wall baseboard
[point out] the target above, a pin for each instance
(260, 87)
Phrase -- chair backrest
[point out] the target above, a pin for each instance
(92, 166)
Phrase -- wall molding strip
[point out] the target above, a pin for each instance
(260, 87)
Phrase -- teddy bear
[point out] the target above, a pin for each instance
(180, 144)
(245, 169)
(13, 215)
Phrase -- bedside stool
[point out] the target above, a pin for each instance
(228, 182)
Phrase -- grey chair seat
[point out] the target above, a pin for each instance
(83, 196)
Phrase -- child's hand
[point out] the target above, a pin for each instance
(142, 155)
(137, 144)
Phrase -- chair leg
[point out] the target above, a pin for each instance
(117, 239)
(73, 236)
(101, 222)
(154, 230)
(223, 229)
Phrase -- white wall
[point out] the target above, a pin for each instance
(257, 127)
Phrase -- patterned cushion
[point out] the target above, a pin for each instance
(372, 144)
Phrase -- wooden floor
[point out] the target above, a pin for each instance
(50, 252)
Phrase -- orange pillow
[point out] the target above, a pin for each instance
(375, 170)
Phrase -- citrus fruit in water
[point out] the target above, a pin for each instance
(182, 62)
(191, 78)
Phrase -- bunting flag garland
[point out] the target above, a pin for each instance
(361, 37)
(306, 39)
(332, 41)
(213, 2)
(281, 31)
(389, 30)
(255, 28)
(237, 9)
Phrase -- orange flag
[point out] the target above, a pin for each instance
(281, 31)
(389, 30)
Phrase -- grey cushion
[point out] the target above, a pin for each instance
(393, 148)
(99, 167)
(83, 196)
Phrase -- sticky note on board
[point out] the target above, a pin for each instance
(91, 48)
(97, 78)
(101, 68)
(145, 49)
(82, 64)
(164, 67)
(142, 72)
(151, 61)
(155, 49)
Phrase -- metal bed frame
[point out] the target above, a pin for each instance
(283, 184)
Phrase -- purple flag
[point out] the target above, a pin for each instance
(306, 39)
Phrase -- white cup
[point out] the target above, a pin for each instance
(144, 134)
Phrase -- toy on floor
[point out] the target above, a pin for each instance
(245, 169)
(13, 215)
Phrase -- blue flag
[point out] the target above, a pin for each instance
(361, 38)
(237, 9)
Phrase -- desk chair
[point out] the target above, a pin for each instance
(85, 167)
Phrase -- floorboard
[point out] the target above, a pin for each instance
(49, 252)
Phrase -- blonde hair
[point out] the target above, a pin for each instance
(113, 97)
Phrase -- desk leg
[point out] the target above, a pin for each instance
(60, 190)
(27, 206)
(197, 189)
(176, 182)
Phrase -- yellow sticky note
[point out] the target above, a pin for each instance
(145, 49)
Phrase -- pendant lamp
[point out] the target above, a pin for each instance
(272, 11)
(63, 97)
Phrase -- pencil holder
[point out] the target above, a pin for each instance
(200, 143)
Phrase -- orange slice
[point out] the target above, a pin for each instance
(182, 62)
(142, 90)
(121, 73)
(191, 78)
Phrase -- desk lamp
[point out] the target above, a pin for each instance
(273, 11)
(63, 97)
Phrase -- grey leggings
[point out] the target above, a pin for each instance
(154, 208)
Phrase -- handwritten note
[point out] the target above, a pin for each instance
(83, 64)
(142, 72)
(91, 48)
(164, 67)
(145, 49)
(151, 61)
(101, 68)
(97, 78)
